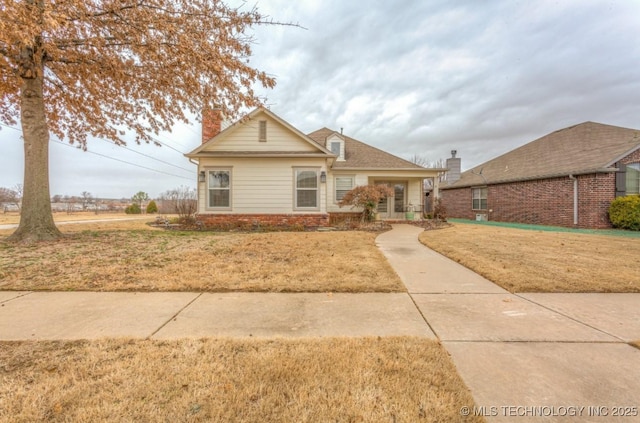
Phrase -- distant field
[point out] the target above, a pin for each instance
(14, 217)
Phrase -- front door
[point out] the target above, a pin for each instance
(393, 207)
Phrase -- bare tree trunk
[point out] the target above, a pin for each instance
(36, 219)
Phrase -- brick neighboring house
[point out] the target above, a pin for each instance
(566, 178)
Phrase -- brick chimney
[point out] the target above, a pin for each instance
(211, 123)
(454, 165)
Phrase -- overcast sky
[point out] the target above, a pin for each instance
(408, 76)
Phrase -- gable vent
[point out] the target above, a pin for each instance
(262, 131)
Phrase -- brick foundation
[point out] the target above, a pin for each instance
(254, 221)
(344, 217)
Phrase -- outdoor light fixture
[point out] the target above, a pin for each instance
(201, 176)
(323, 177)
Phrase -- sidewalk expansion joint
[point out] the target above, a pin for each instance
(422, 314)
(570, 318)
(15, 298)
(174, 316)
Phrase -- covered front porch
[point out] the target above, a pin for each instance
(408, 201)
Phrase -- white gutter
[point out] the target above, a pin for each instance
(575, 199)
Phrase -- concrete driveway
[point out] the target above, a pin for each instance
(528, 357)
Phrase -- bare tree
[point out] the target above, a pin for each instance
(419, 159)
(86, 199)
(9, 196)
(182, 200)
(80, 68)
(423, 161)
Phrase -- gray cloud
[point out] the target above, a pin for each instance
(416, 77)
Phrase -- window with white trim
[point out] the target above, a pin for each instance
(343, 184)
(479, 198)
(306, 189)
(219, 188)
(335, 148)
(633, 179)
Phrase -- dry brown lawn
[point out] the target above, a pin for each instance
(338, 380)
(535, 261)
(97, 257)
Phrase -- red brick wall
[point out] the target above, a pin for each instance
(632, 158)
(336, 218)
(541, 202)
(211, 124)
(249, 221)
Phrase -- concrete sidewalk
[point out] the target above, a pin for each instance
(529, 357)
(91, 315)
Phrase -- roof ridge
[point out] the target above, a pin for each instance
(373, 147)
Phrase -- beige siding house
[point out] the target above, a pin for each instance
(262, 170)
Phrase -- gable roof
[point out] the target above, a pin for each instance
(359, 155)
(589, 147)
(201, 151)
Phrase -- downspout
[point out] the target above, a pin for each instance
(575, 199)
(197, 184)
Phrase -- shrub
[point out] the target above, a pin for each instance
(133, 209)
(439, 210)
(367, 197)
(152, 207)
(182, 201)
(624, 212)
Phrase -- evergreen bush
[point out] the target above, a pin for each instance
(624, 212)
(152, 207)
(133, 209)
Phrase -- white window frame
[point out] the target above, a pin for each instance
(332, 143)
(335, 186)
(479, 198)
(229, 188)
(296, 171)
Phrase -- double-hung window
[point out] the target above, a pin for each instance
(219, 188)
(343, 184)
(479, 198)
(306, 189)
(633, 179)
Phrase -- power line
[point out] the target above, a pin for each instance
(151, 157)
(123, 161)
(119, 160)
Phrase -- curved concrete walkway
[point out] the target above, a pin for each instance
(529, 357)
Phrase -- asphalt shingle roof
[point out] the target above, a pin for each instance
(585, 148)
(359, 155)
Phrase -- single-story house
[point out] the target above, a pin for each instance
(566, 178)
(263, 170)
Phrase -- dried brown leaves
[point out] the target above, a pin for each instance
(114, 64)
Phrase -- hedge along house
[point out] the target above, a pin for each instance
(566, 178)
(262, 170)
